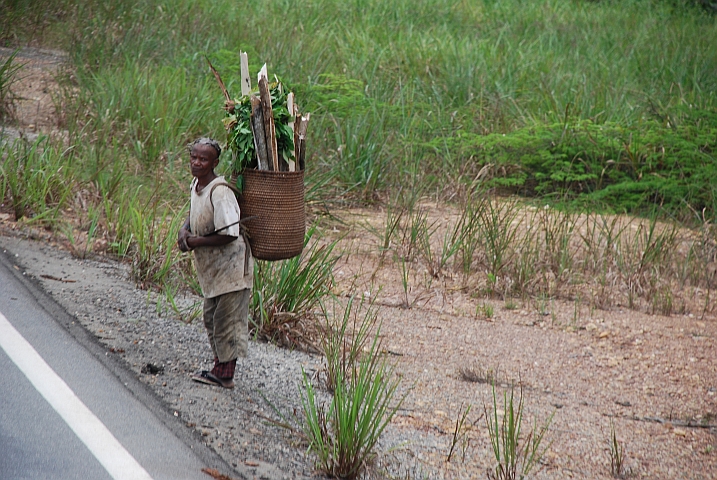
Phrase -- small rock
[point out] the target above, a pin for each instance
(152, 369)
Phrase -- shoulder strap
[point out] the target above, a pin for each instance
(242, 229)
(222, 184)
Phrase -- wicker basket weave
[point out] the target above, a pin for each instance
(276, 199)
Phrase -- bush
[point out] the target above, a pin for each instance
(286, 291)
(665, 161)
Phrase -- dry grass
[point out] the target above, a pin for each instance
(475, 373)
(517, 251)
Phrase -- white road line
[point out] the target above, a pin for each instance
(99, 440)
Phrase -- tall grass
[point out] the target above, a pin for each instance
(498, 231)
(154, 256)
(285, 292)
(152, 112)
(424, 69)
(345, 334)
(508, 248)
(36, 179)
(9, 69)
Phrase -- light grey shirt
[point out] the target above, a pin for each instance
(219, 269)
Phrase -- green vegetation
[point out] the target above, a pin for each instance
(35, 179)
(601, 103)
(617, 455)
(9, 69)
(591, 106)
(239, 134)
(515, 456)
(604, 107)
(343, 432)
(667, 162)
(285, 292)
(460, 433)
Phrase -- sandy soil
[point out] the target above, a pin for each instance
(653, 377)
(36, 93)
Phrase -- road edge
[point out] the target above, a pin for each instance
(117, 366)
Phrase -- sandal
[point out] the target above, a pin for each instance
(209, 378)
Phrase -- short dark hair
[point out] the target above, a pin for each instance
(208, 141)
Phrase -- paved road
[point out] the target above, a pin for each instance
(68, 413)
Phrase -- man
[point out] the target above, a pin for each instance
(223, 262)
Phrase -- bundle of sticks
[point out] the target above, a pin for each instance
(277, 127)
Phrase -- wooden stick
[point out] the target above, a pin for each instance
(269, 131)
(219, 81)
(302, 140)
(290, 107)
(245, 80)
(257, 130)
(262, 73)
(297, 141)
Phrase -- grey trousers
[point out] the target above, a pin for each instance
(226, 319)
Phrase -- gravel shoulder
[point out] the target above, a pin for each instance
(124, 320)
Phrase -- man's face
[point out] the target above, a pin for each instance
(202, 160)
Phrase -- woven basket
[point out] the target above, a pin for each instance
(276, 199)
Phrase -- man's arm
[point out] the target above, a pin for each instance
(213, 240)
(186, 241)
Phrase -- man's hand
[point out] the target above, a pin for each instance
(182, 238)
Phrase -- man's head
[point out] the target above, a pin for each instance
(208, 141)
(204, 156)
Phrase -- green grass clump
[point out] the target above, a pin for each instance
(343, 343)
(285, 292)
(343, 434)
(36, 179)
(515, 456)
(9, 69)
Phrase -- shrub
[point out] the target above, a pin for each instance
(286, 291)
(667, 162)
(344, 433)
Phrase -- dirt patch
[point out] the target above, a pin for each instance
(653, 376)
(36, 93)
